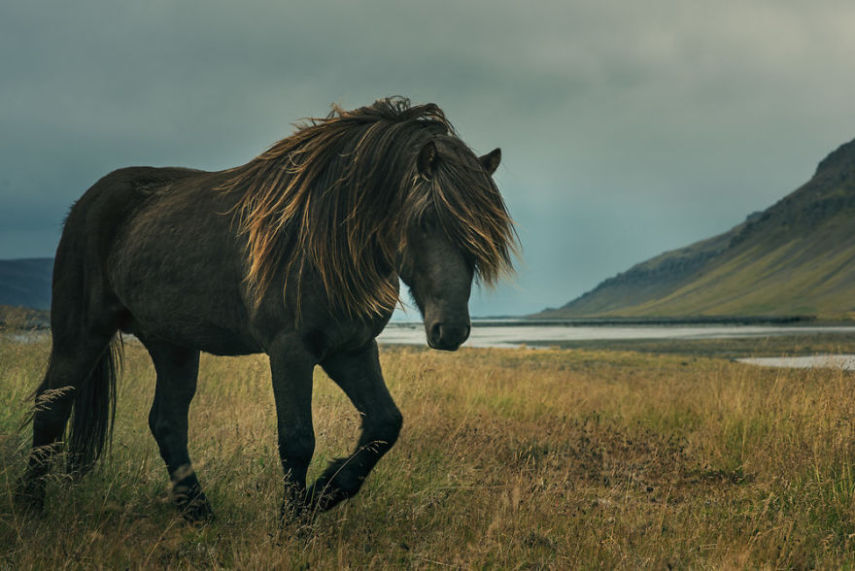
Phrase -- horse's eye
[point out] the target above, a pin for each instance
(428, 223)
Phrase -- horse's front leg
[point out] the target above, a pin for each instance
(359, 375)
(292, 371)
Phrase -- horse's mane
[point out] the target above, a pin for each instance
(336, 195)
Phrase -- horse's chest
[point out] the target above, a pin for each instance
(343, 337)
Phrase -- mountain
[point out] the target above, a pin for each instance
(26, 283)
(797, 257)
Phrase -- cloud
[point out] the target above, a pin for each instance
(627, 128)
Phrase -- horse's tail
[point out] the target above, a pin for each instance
(93, 411)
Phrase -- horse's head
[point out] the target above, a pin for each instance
(455, 229)
(439, 275)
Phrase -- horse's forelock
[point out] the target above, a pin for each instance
(470, 209)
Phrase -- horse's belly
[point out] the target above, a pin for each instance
(195, 334)
(203, 312)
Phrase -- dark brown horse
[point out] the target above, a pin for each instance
(296, 254)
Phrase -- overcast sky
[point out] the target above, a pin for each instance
(627, 128)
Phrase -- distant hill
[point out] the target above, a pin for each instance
(26, 283)
(795, 258)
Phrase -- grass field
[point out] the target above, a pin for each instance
(513, 459)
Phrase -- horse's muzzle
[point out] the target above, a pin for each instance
(447, 336)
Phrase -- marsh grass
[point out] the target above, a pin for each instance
(508, 459)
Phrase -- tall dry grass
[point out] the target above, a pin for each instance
(508, 459)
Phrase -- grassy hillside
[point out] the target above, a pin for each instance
(805, 275)
(795, 258)
(537, 459)
(648, 281)
(26, 282)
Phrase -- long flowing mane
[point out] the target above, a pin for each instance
(337, 195)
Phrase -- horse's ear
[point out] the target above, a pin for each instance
(491, 160)
(427, 159)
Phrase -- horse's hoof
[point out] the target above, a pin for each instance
(332, 487)
(30, 497)
(196, 511)
(296, 512)
(297, 519)
(192, 503)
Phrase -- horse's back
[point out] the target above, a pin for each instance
(96, 218)
(81, 288)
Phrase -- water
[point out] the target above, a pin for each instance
(845, 362)
(491, 335)
(510, 336)
(522, 334)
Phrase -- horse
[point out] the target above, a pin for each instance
(296, 254)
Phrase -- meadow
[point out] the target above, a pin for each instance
(509, 458)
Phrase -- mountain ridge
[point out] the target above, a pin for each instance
(796, 257)
(26, 282)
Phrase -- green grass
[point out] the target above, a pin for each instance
(513, 459)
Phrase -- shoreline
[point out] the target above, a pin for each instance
(525, 321)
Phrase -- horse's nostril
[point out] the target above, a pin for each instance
(436, 332)
(460, 333)
(454, 333)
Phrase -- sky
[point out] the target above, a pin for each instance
(627, 128)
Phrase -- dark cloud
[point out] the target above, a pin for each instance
(627, 128)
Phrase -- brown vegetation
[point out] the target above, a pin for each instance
(509, 458)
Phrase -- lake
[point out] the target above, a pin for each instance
(510, 334)
(845, 362)
(526, 334)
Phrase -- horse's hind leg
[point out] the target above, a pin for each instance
(358, 374)
(177, 369)
(81, 366)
